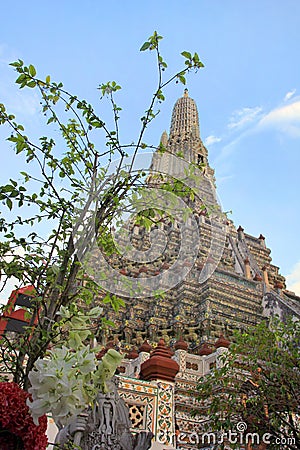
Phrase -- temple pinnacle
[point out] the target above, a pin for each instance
(185, 122)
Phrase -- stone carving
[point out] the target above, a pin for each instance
(106, 426)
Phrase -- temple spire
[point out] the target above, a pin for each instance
(183, 141)
(185, 120)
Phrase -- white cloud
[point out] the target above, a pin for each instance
(224, 179)
(210, 140)
(293, 279)
(238, 122)
(23, 102)
(285, 118)
(246, 121)
(289, 95)
(243, 117)
(26, 103)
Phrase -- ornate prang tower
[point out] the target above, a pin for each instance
(185, 142)
(244, 287)
(230, 285)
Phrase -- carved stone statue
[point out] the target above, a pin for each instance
(106, 426)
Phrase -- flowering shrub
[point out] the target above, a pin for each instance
(69, 377)
(16, 423)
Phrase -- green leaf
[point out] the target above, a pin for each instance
(186, 55)
(32, 70)
(31, 84)
(21, 78)
(48, 79)
(9, 203)
(145, 46)
(18, 63)
(182, 79)
(7, 188)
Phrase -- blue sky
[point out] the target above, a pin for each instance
(248, 95)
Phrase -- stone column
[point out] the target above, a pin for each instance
(247, 269)
(240, 231)
(144, 352)
(222, 345)
(266, 278)
(162, 369)
(279, 286)
(165, 413)
(180, 354)
(262, 240)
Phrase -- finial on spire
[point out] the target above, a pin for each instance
(186, 92)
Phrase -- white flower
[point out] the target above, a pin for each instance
(86, 360)
(62, 383)
(69, 377)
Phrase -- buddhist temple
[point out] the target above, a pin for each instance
(229, 280)
(220, 279)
